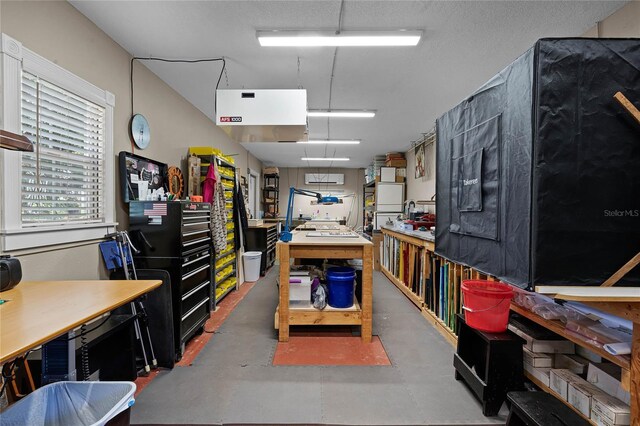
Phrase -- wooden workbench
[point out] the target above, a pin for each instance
(620, 301)
(39, 311)
(303, 247)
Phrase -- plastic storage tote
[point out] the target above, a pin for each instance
(251, 261)
(73, 403)
(341, 283)
(486, 305)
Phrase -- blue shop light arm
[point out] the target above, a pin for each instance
(286, 235)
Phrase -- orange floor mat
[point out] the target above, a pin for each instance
(330, 350)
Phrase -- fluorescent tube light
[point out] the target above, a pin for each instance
(324, 159)
(345, 38)
(331, 141)
(341, 113)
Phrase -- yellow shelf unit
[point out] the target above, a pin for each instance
(226, 167)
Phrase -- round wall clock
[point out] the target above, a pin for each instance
(140, 132)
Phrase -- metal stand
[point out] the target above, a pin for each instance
(122, 240)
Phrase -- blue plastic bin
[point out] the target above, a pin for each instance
(73, 403)
(341, 283)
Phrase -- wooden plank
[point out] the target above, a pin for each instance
(635, 375)
(591, 294)
(319, 252)
(367, 294)
(412, 262)
(39, 311)
(558, 328)
(283, 327)
(408, 239)
(426, 259)
(626, 103)
(298, 317)
(548, 390)
(403, 288)
(440, 326)
(620, 273)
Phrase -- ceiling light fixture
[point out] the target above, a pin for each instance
(331, 141)
(324, 159)
(346, 113)
(343, 39)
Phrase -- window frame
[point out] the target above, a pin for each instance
(14, 58)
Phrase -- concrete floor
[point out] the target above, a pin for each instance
(232, 379)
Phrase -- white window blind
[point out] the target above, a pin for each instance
(62, 180)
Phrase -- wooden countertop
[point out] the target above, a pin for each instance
(300, 238)
(38, 311)
(264, 225)
(423, 235)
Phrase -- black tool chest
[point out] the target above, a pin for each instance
(263, 238)
(176, 236)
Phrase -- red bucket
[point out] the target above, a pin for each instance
(486, 305)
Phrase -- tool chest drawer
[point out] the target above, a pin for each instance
(194, 318)
(191, 298)
(180, 243)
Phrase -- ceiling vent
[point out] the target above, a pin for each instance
(325, 178)
(263, 115)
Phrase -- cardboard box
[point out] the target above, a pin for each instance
(537, 359)
(574, 363)
(540, 373)
(587, 354)
(559, 381)
(394, 155)
(599, 419)
(611, 410)
(396, 163)
(580, 395)
(399, 179)
(607, 377)
(270, 171)
(300, 292)
(541, 340)
(387, 174)
(401, 171)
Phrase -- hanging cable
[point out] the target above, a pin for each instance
(179, 61)
(333, 70)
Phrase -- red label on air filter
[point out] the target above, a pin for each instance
(230, 119)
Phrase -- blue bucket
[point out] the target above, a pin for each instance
(340, 282)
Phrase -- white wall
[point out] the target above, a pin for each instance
(353, 181)
(422, 188)
(623, 23)
(58, 32)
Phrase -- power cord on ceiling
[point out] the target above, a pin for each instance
(333, 69)
(180, 61)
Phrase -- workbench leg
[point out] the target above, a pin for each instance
(367, 293)
(635, 376)
(283, 329)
